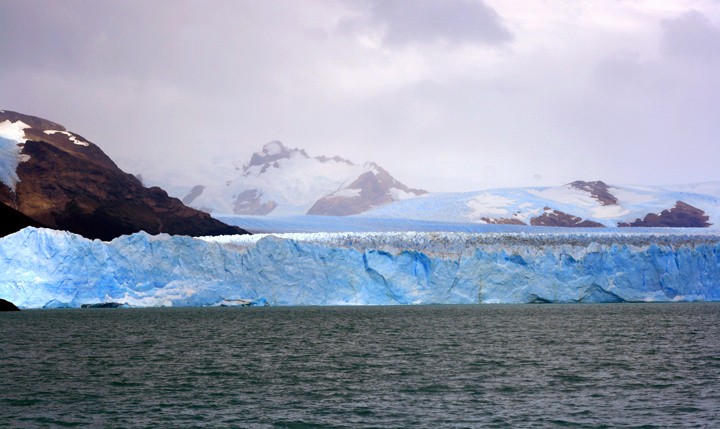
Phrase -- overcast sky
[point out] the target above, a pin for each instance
(446, 95)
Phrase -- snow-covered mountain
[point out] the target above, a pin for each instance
(287, 183)
(282, 181)
(53, 177)
(577, 204)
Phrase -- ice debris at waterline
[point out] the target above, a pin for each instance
(46, 268)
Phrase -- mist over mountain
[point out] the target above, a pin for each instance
(283, 181)
(59, 179)
(279, 181)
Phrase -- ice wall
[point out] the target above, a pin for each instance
(40, 267)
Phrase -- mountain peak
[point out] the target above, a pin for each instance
(61, 180)
(274, 151)
(274, 147)
(284, 181)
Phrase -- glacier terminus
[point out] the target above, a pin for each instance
(45, 268)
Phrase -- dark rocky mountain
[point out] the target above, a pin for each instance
(13, 221)
(7, 306)
(68, 183)
(682, 215)
(373, 188)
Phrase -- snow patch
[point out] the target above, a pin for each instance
(626, 196)
(12, 137)
(73, 138)
(485, 204)
(609, 212)
(10, 157)
(13, 130)
(399, 194)
(566, 195)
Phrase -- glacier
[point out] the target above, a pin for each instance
(12, 137)
(524, 203)
(47, 268)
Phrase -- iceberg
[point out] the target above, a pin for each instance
(54, 269)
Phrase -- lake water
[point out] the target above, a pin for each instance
(650, 365)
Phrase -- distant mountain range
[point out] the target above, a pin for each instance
(52, 177)
(576, 204)
(56, 178)
(282, 181)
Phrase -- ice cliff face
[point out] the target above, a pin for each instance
(45, 268)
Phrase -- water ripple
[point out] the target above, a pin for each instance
(629, 365)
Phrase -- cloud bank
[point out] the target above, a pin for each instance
(447, 95)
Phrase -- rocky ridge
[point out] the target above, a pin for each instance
(64, 181)
(682, 215)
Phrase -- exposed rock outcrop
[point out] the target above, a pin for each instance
(373, 188)
(598, 190)
(682, 215)
(272, 152)
(195, 192)
(249, 203)
(557, 218)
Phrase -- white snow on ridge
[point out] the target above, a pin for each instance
(608, 212)
(10, 157)
(399, 194)
(73, 138)
(12, 137)
(708, 188)
(566, 195)
(628, 196)
(13, 131)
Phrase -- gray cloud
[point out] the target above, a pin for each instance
(691, 35)
(648, 117)
(84, 36)
(424, 21)
(416, 88)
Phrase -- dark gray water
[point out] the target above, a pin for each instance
(629, 365)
